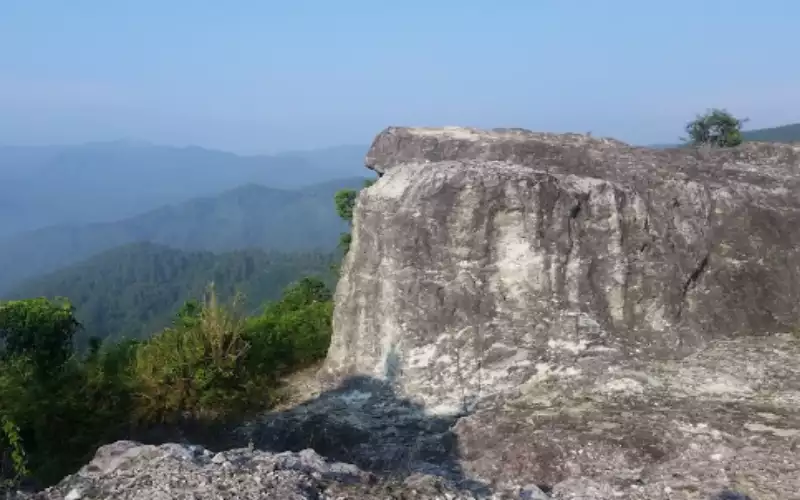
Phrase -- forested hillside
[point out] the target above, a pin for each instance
(134, 290)
(250, 216)
(784, 133)
(102, 182)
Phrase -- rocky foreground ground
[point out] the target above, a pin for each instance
(720, 424)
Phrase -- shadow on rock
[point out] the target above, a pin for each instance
(364, 422)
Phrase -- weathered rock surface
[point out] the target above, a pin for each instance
(127, 470)
(724, 417)
(602, 319)
(479, 258)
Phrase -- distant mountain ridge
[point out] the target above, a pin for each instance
(782, 133)
(250, 216)
(101, 182)
(134, 290)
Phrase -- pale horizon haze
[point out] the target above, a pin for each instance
(264, 76)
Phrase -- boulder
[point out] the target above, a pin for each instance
(482, 258)
(601, 319)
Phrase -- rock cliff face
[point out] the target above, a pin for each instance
(482, 259)
(610, 321)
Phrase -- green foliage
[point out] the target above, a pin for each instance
(345, 201)
(198, 368)
(305, 292)
(716, 128)
(59, 419)
(345, 239)
(296, 330)
(39, 329)
(9, 433)
(189, 314)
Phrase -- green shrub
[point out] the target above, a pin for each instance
(13, 459)
(196, 369)
(295, 331)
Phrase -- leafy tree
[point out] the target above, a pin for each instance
(59, 419)
(40, 329)
(13, 462)
(345, 201)
(307, 291)
(345, 240)
(716, 128)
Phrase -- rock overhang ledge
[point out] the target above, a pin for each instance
(392, 146)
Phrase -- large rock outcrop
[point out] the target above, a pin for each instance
(597, 317)
(481, 259)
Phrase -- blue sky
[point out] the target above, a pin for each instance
(264, 75)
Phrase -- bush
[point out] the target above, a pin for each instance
(197, 369)
(59, 424)
(295, 331)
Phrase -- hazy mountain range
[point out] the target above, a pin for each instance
(250, 216)
(103, 182)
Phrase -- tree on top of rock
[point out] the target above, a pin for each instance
(716, 128)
